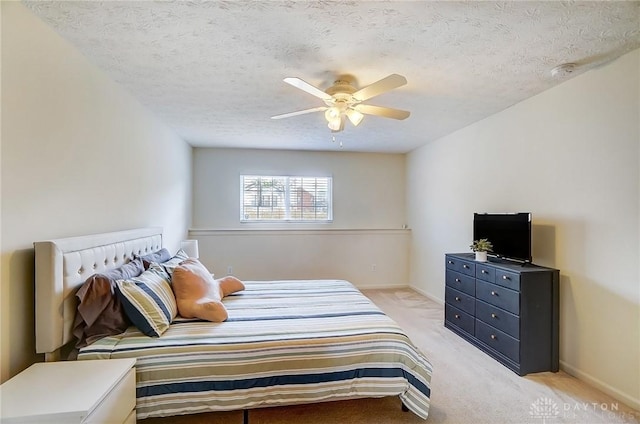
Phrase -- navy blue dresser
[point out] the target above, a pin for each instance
(507, 309)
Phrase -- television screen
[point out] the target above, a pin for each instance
(510, 233)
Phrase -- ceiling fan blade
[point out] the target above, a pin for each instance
(379, 87)
(387, 112)
(305, 86)
(300, 112)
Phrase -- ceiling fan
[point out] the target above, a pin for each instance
(344, 101)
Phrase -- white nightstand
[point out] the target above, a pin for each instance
(71, 392)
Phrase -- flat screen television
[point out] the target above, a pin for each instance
(510, 234)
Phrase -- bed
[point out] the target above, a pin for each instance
(285, 342)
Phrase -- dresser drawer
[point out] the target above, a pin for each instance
(507, 279)
(460, 319)
(460, 300)
(485, 272)
(498, 340)
(498, 318)
(463, 267)
(461, 282)
(499, 296)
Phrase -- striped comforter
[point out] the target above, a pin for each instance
(285, 342)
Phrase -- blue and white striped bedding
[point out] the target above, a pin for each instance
(285, 342)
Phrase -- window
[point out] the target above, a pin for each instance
(285, 198)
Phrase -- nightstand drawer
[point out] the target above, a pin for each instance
(507, 279)
(116, 407)
(486, 273)
(461, 282)
(460, 300)
(498, 296)
(498, 318)
(459, 318)
(463, 267)
(131, 419)
(498, 340)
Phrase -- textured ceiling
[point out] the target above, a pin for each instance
(213, 70)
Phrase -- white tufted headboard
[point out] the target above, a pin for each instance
(63, 265)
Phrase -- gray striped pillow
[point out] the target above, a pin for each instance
(148, 300)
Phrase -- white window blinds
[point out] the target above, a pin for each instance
(285, 198)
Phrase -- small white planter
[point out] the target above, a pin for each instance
(481, 256)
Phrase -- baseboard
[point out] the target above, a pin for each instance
(601, 385)
(381, 286)
(428, 295)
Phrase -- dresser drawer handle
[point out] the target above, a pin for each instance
(457, 280)
(457, 299)
(450, 262)
(493, 293)
(465, 266)
(494, 316)
(457, 316)
(483, 271)
(504, 277)
(494, 337)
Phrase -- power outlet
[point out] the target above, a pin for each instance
(374, 267)
(229, 270)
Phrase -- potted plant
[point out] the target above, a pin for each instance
(481, 247)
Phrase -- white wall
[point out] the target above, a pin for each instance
(79, 156)
(364, 244)
(571, 157)
(368, 188)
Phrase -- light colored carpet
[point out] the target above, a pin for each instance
(467, 387)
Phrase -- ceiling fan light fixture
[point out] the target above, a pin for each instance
(335, 124)
(354, 116)
(332, 113)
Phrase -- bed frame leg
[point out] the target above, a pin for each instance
(404, 408)
(245, 416)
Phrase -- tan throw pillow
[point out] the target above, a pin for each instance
(198, 295)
